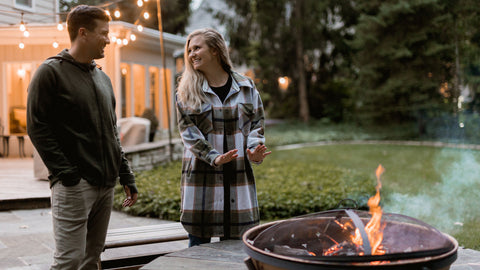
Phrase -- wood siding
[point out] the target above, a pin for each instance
(43, 11)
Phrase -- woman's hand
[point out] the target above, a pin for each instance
(227, 157)
(258, 154)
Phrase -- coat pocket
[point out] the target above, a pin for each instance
(245, 117)
(202, 119)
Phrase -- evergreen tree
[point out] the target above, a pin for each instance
(404, 58)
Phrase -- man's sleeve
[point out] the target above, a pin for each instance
(40, 114)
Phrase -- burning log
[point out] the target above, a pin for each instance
(345, 248)
(288, 251)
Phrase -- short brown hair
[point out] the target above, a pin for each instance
(84, 16)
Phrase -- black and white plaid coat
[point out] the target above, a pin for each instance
(222, 200)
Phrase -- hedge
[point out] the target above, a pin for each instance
(284, 188)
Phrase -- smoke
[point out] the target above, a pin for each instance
(449, 203)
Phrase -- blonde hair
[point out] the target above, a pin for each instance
(190, 87)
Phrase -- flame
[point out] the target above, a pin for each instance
(374, 227)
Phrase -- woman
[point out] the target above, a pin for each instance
(221, 122)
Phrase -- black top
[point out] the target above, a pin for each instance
(222, 91)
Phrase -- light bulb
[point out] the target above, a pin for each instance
(139, 3)
(60, 26)
(140, 28)
(55, 44)
(21, 45)
(146, 15)
(26, 33)
(133, 37)
(22, 27)
(125, 41)
(117, 14)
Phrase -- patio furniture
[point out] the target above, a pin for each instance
(5, 141)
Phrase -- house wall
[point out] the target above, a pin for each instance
(38, 47)
(152, 58)
(11, 54)
(11, 13)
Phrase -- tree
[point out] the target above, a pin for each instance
(304, 40)
(466, 31)
(404, 56)
(175, 13)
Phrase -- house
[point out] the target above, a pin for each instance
(133, 63)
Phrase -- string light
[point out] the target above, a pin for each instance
(127, 37)
(22, 24)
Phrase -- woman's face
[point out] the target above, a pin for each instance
(200, 55)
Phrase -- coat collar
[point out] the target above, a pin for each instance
(237, 82)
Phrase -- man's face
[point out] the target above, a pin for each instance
(97, 39)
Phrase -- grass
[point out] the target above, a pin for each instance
(436, 185)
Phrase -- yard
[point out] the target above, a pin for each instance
(438, 185)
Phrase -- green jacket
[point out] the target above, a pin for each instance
(71, 122)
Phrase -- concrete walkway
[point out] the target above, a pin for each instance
(26, 238)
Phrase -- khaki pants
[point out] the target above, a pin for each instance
(81, 214)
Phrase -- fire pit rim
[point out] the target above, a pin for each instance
(280, 260)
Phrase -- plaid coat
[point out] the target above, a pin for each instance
(222, 200)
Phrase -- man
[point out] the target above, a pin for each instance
(72, 123)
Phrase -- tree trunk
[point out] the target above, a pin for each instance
(300, 67)
(457, 82)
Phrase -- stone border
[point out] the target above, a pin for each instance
(408, 143)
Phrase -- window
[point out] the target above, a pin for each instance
(139, 89)
(165, 97)
(126, 91)
(24, 4)
(18, 77)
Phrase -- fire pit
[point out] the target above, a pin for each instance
(350, 239)
(324, 241)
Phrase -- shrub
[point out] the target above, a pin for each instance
(284, 189)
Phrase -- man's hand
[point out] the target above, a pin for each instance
(227, 157)
(131, 198)
(258, 154)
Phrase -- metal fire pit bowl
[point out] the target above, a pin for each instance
(290, 244)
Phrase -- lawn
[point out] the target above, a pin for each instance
(439, 186)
